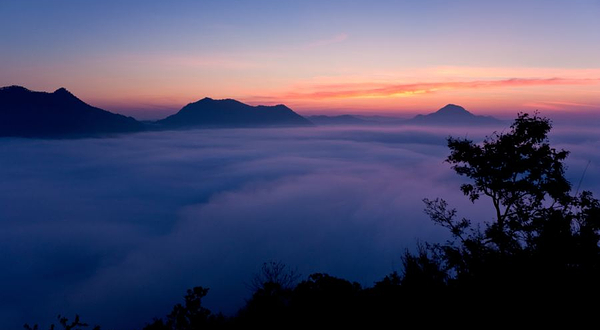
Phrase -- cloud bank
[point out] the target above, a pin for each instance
(116, 229)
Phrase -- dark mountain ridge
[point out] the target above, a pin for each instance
(208, 112)
(26, 113)
(338, 120)
(452, 114)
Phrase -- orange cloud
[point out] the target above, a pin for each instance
(558, 105)
(363, 90)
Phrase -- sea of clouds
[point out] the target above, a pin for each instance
(116, 229)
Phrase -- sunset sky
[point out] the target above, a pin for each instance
(148, 58)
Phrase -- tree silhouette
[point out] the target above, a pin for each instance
(518, 171)
(541, 237)
(274, 272)
(272, 290)
(189, 316)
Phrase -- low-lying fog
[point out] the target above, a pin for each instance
(116, 229)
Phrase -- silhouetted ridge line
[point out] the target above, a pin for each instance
(338, 120)
(208, 112)
(15, 88)
(26, 113)
(452, 114)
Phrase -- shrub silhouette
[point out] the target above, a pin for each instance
(189, 316)
(64, 323)
(274, 272)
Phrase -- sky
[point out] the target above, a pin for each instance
(116, 229)
(150, 58)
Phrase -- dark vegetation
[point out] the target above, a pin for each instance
(537, 262)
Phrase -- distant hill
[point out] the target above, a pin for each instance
(26, 113)
(338, 120)
(382, 120)
(452, 114)
(231, 113)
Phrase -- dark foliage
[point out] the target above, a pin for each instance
(189, 316)
(274, 272)
(64, 324)
(543, 242)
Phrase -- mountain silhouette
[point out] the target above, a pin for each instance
(26, 113)
(338, 120)
(231, 113)
(452, 114)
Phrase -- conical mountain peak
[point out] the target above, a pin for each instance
(453, 109)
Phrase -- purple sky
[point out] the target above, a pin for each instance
(150, 58)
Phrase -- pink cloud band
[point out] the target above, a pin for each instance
(389, 90)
